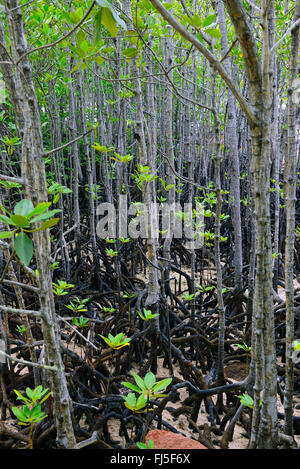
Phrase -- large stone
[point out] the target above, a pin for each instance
(167, 440)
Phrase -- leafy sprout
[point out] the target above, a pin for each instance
(31, 413)
(147, 315)
(60, 287)
(296, 345)
(77, 305)
(148, 445)
(247, 400)
(80, 322)
(117, 342)
(148, 386)
(25, 214)
(135, 404)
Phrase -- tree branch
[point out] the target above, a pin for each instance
(47, 46)
(214, 62)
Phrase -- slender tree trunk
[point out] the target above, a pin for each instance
(33, 170)
(234, 157)
(290, 180)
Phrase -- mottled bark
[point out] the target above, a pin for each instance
(290, 181)
(33, 170)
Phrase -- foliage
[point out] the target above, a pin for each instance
(77, 305)
(148, 386)
(31, 413)
(25, 214)
(80, 322)
(147, 314)
(60, 287)
(117, 342)
(148, 445)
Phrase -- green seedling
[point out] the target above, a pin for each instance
(10, 185)
(108, 310)
(247, 400)
(31, 413)
(203, 288)
(25, 214)
(77, 305)
(148, 445)
(56, 190)
(296, 345)
(60, 287)
(122, 159)
(21, 329)
(166, 186)
(246, 349)
(188, 297)
(137, 405)
(80, 322)
(128, 295)
(148, 386)
(147, 315)
(111, 252)
(10, 142)
(111, 241)
(117, 342)
(102, 148)
(54, 266)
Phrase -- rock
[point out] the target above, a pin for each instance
(167, 440)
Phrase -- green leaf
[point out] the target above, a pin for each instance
(19, 414)
(29, 392)
(129, 52)
(46, 397)
(20, 221)
(80, 52)
(74, 69)
(26, 411)
(296, 345)
(109, 22)
(150, 444)
(99, 60)
(80, 37)
(131, 386)
(20, 397)
(105, 339)
(139, 381)
(131, 34)
(163, 384)
(118, 337)
(214, 33)
(24, 248)
(131, 399)
(47, 224)
(74, 17)
(6, 234)
(141, 402)
(141, 445)
(104, 3)
(197, 21)
(36, 411)
(45, 216)
(149, 380)
(24, 207)
(209, 20)
(40, 208)
(6, 220)
(56, 198)
(246, 400)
